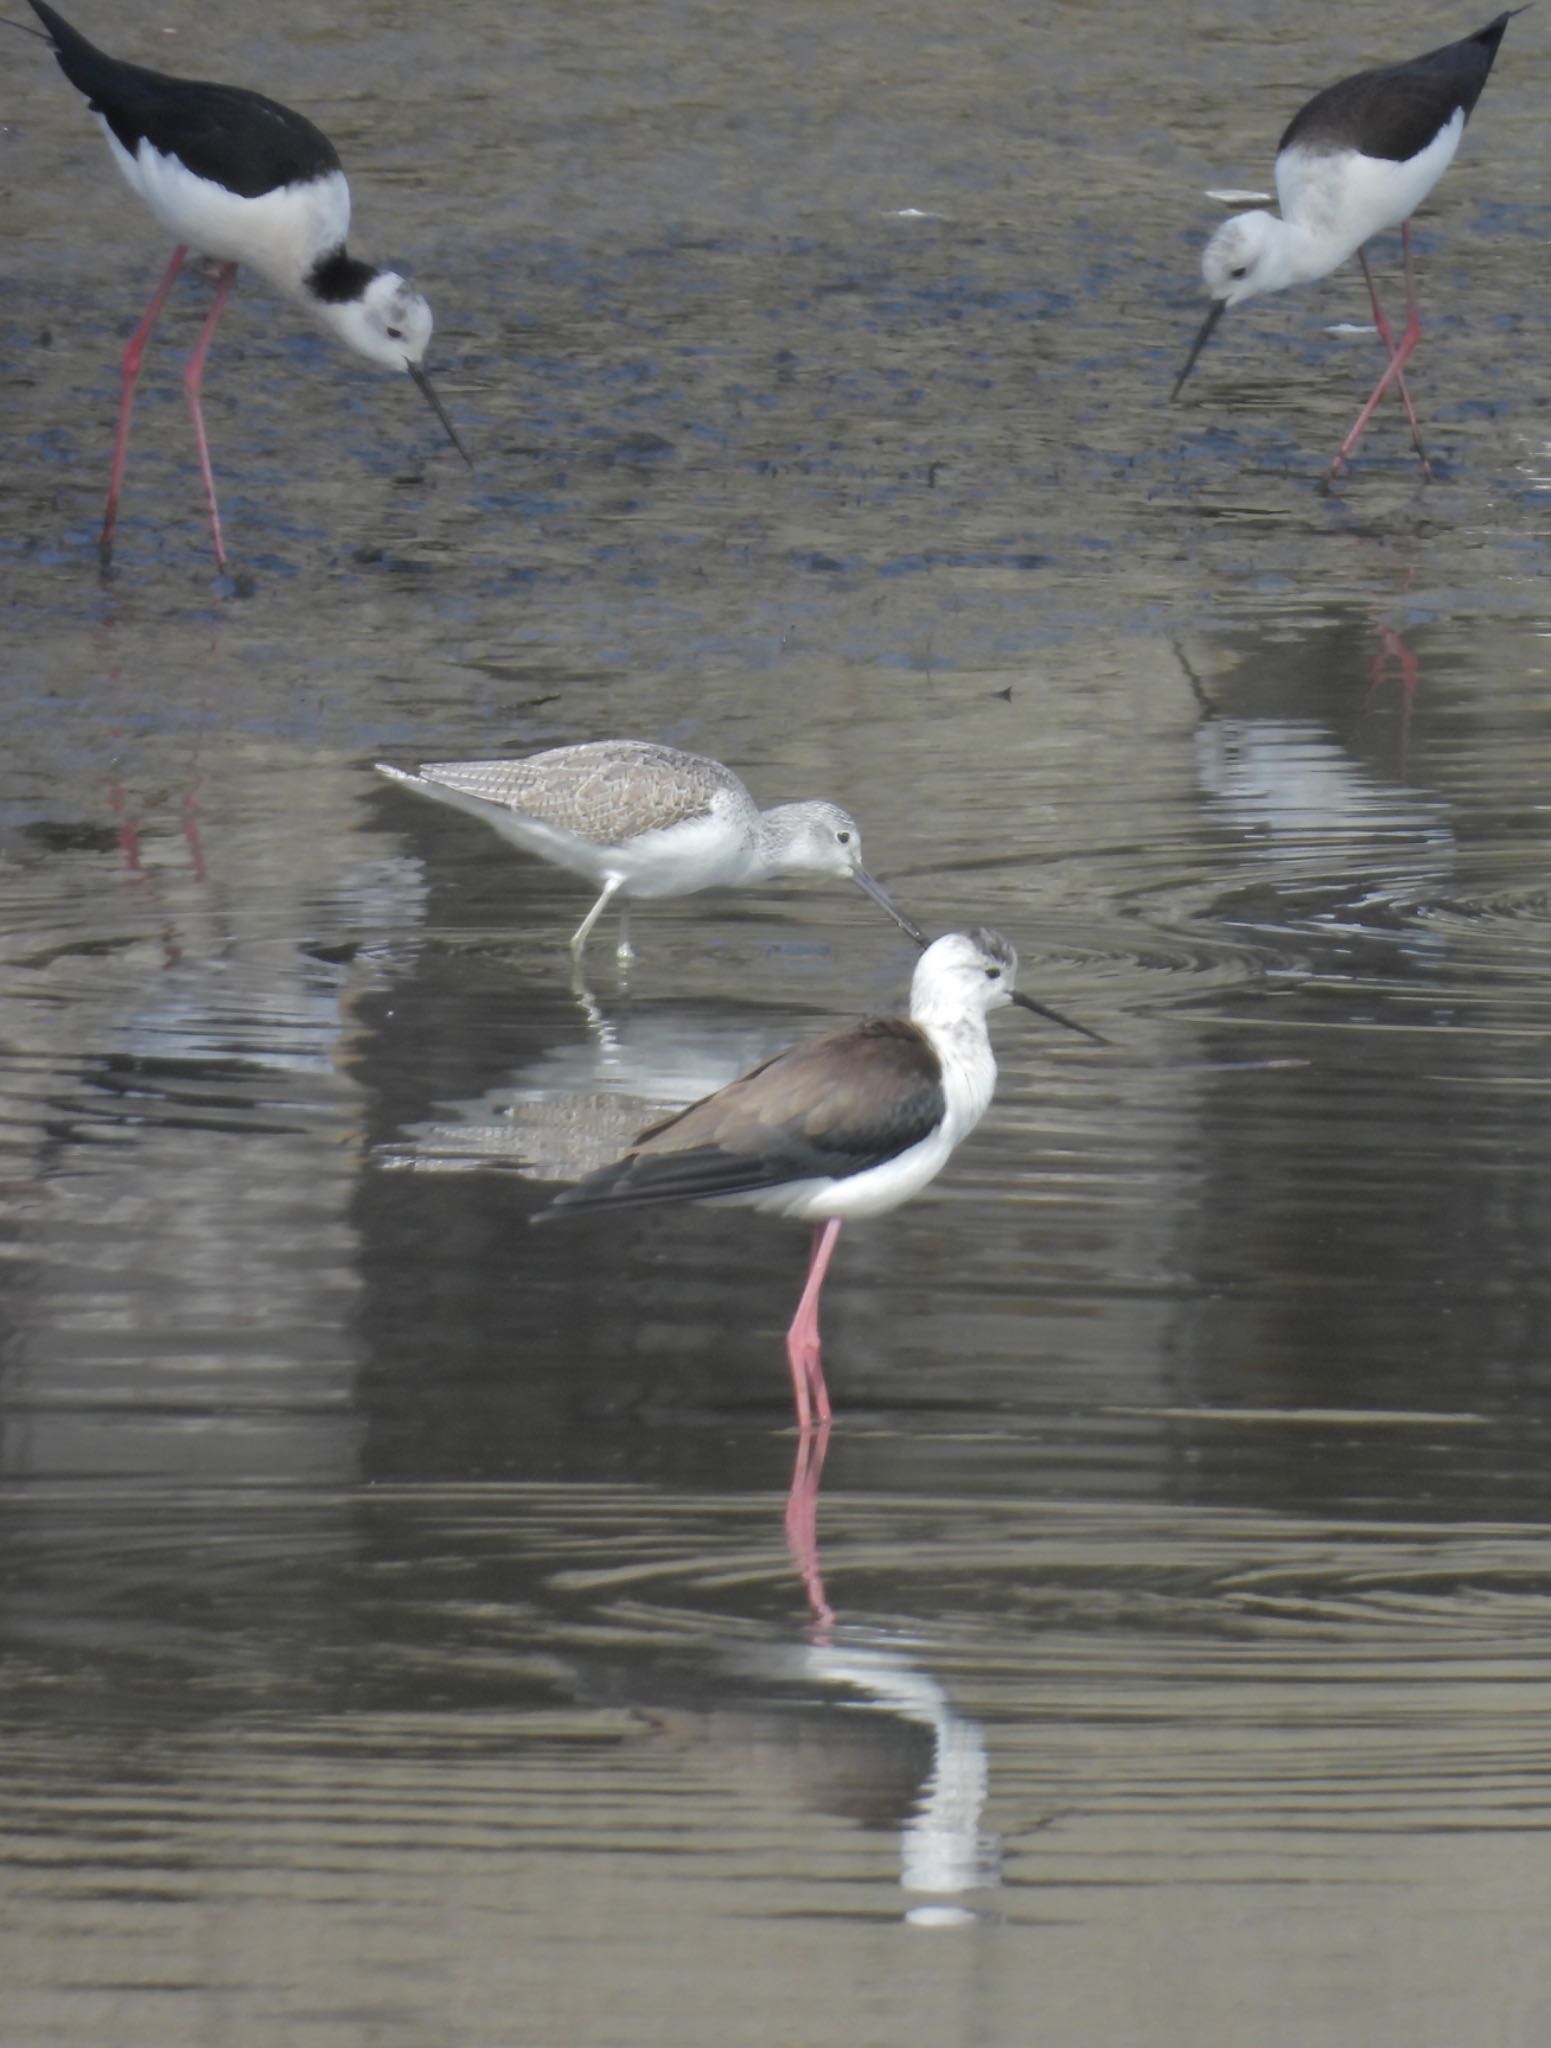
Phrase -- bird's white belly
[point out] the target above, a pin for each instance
(968, 1079)
(1344, 200)
(859, 1195)
(698, 854)
(281, 234)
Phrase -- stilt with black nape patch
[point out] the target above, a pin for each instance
(244, 180)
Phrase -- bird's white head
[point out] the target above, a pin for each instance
(813, 839)
(382, 318)
(821, 839)
(1246, 256)
(387, 321)
(1253, 252)
(964, 974)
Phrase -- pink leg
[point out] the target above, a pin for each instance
(1388, 339)
(129, 376)
(191, 382)
(1397, 362)
(1413, 319)
(802, 1339)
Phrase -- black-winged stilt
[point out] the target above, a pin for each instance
(1359, 158)
(636, 819)
(239, 178)
(848, 1125)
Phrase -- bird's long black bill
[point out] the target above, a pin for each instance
(884, 901)
(1208, 327)
(1040, 1010)
(428, 392)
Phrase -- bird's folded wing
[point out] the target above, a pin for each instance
(821, 1111)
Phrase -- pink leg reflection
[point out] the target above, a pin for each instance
(802, 1524)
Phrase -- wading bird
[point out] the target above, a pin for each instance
(1359, 158)
(636, 819)
(239, 178)
(848, 1125)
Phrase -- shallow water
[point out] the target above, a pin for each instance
(414, 1629)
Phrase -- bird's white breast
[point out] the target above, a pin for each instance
(1343, 199)
(968, 1081)
(281, 234)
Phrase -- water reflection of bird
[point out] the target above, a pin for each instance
(1342, 846)
(856, 1728)
(636, 819)
(945, 1850)
(1359, 158)
(848, 1125)
(243, 180)
(575, 1104)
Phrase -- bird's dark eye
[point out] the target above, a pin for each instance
(993, 974)
(397, 333)
(844, 838)
(1241, 270)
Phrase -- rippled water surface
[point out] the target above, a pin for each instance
(414, 1629)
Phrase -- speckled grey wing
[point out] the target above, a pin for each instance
(823, 1110)
(607, 792)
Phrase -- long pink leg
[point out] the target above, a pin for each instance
(191, 382)
(1397, 362)
(802, 1339)
(129, 377)
(1388, 339)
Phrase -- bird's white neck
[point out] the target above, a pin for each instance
(963, 1046)
(1295, 251)
(764, 854)
(777, 845)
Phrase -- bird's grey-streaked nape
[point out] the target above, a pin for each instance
(640, 820)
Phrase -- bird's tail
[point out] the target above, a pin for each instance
(86, 67)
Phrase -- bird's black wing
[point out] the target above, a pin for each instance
(1398, 109)
(236, 138)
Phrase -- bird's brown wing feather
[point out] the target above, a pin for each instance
(822, 1110)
